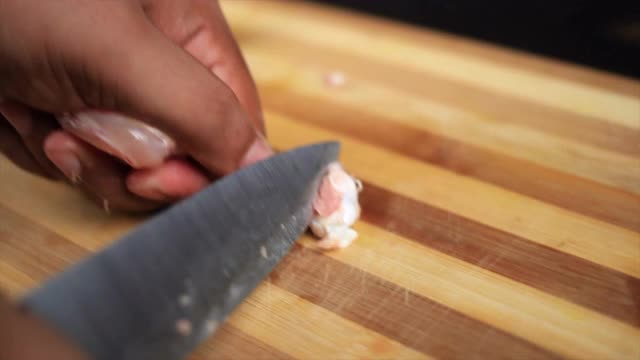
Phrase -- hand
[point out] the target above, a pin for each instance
(172, 64)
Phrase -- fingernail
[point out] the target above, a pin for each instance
(259, 150)
(68, 164)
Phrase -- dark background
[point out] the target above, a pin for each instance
(600, 34)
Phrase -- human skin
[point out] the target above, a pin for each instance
(171, 64)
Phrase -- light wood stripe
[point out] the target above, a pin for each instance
(548, 185)
(271, 315)
(461, 45)
(575, 234)
(557, 273)
(394, 311)
(483, 102)
(231, 343)
(396, 106)
(46, 202)
(583, 99)
(538, 317)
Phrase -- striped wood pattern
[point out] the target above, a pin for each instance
(501, 211)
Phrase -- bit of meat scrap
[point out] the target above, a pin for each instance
(336, 209)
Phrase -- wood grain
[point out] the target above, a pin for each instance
(506, 304)
(552, 271)
(555, 187)
(233, 344)
(463, 46)
(411, 318)
(585, 237)
(501, 211)
(583, 99)
(608, 167)
(454, 94)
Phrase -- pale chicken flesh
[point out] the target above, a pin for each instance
(335, 208)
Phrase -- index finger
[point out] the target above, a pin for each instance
(166, 87)
(202, 30)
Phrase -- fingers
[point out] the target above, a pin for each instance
(125, 64)
(187, 102)
(15, 150)
(227, 61)
(175, 179)
(32, 127)
(101, 176)
(200, 28)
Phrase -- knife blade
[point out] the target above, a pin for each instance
(163, 288)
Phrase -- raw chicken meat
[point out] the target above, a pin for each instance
(133, 141)
(336, 208)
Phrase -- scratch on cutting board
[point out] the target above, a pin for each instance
(326, 273)
(454, 234)
(420, 334)
(365, 265)
(488, 260)
(384, 302)
(440, 319)
(343, 303)
(483, 340)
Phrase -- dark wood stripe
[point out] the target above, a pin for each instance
(561, 189)
(394, 311)
(231, 343)
(40, 253)
(492, 106)
(580, 281)
(467, 47)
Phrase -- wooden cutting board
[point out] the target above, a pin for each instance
(501, 205)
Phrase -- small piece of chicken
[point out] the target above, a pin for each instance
(128, 139)
(336, 209)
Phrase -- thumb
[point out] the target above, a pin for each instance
(146, 76)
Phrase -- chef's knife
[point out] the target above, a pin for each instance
(160, 290)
